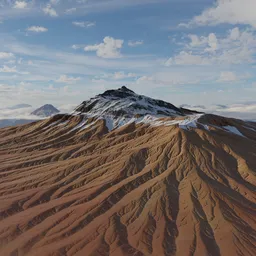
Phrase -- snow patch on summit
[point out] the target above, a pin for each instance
(123, 106)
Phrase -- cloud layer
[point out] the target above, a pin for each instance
(37, 29)
(228, 11)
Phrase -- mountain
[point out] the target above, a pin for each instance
(19, 106)
(123, 106)
(126, 175)
(45, 111)
(13, 122)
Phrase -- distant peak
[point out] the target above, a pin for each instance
(48, 106)
(45, 111)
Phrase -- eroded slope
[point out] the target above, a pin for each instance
(74, 188)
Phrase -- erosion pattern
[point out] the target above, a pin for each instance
(136, 190)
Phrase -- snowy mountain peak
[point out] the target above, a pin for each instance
(123, 106)
(125, 103)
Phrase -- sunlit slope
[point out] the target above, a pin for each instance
(74, 188)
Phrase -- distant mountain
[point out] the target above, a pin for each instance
(45, 111)
(18, 106)
(14, 122)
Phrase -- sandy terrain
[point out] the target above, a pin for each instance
(137, 190)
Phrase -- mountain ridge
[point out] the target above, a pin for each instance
(155, 185)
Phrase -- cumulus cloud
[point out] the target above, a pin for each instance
(20, 5)
(48, 10)
(84, 24)
(135, 43)
(67, 80)
(228, 11)
(212, 42)
(110, 48)
(237, 47)
(6, 55)
(37, 29)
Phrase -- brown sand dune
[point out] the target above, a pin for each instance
(136, 190)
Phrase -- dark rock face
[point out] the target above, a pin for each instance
(122, 93)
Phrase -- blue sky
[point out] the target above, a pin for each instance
(196, 52)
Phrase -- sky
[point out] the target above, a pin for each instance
(193, 52)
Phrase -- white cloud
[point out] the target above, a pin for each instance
(228, 11)
(68, 80)
(237, 47)
(135, 43)
(118, 75)
(70, 10)
(212, 42)
(37, 29)
(196, 41)
(75, 46)
(187, 58)
(6, 55)
(20, 5)
(84, 24)
(249, 107)
(110, 48)
(6, 69)
(144, 79)
(234, 34)
(67, 108)
(50, 11)
(23, 113)
(121, 75)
